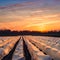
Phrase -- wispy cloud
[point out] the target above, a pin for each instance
(43, 23)
(44, 26)
(17, 5)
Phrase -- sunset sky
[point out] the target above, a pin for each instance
(36, 15)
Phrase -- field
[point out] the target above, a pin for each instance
(29, 48)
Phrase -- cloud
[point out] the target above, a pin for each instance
(49, 16)
(17, 5)
(41, 4)
(43, 23)
(57, 0)
(44, 26)
(10, 25)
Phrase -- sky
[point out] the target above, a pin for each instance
(33, 15)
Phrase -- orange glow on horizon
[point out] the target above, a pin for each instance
(42, 27)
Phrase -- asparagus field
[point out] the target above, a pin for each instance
(29, 48)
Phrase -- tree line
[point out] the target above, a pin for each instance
(26, 32)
